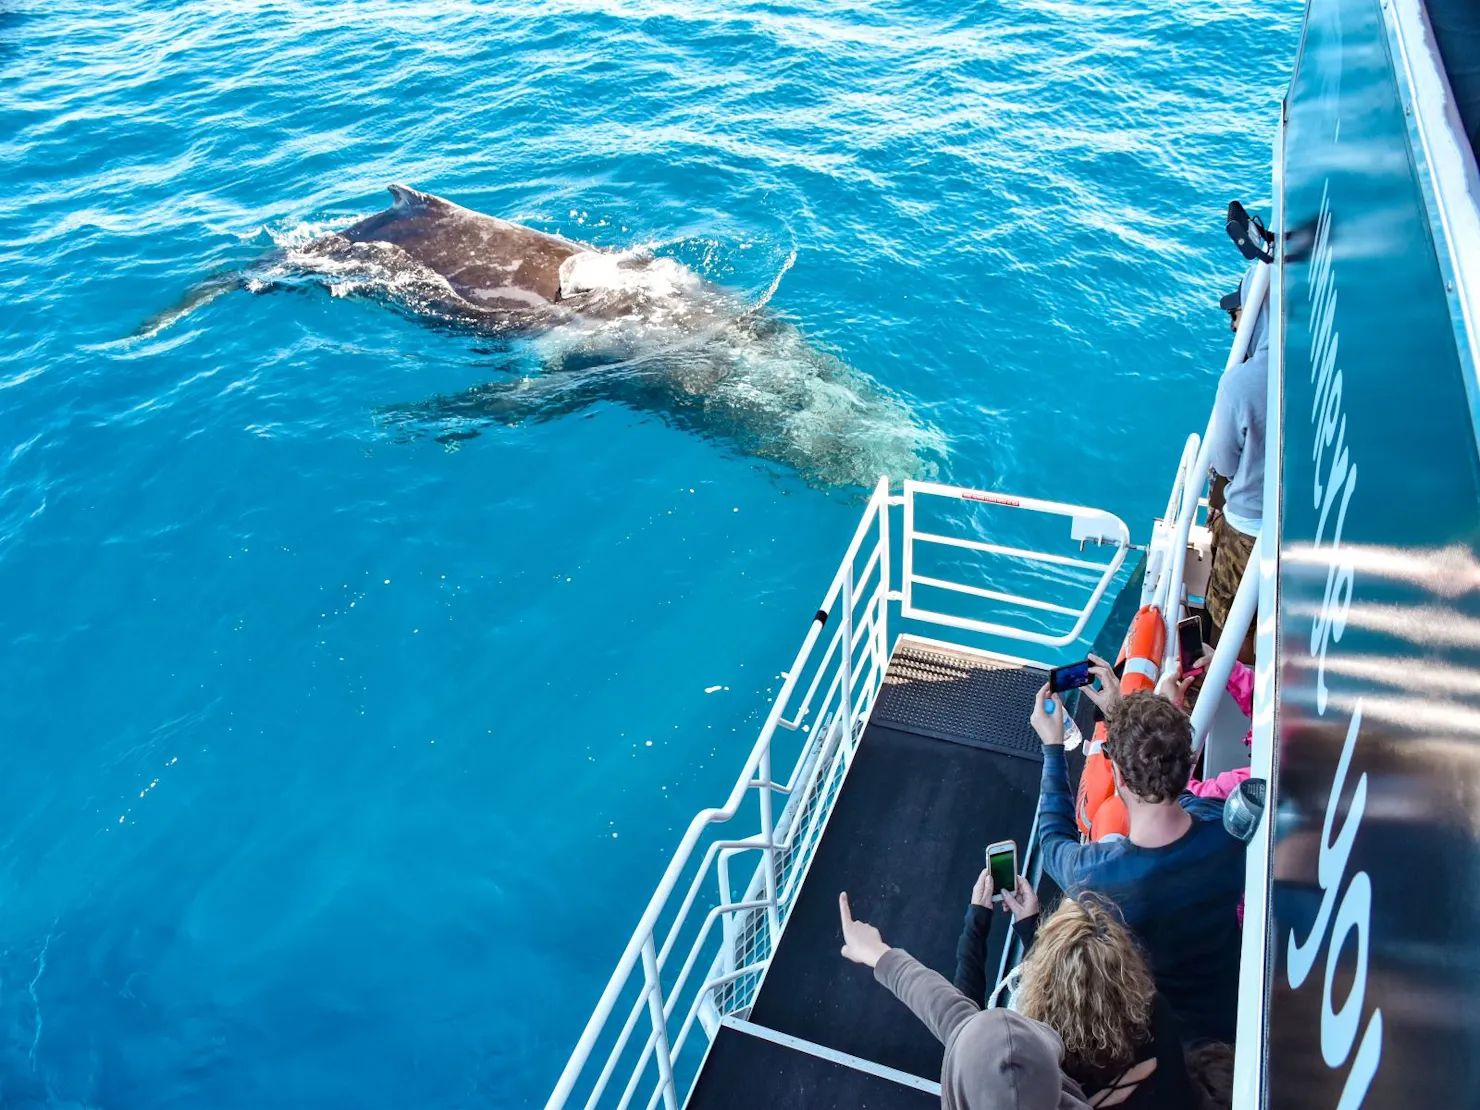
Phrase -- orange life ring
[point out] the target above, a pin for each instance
(1144, 646)
(1096, 782)
(1098, 811)
(1111, 819)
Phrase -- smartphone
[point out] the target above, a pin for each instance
(1075, 675)
(1190, 644)
(1003, 863)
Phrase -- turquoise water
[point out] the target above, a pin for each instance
(338, 761)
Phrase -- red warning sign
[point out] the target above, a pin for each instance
(990, 498)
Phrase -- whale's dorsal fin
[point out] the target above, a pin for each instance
(409, 198)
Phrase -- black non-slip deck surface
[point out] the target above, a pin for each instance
(906, 840)
(938, 776)
(744, 1072)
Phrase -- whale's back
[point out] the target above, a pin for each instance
(488, 262)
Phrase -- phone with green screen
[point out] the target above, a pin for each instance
(1002, 861)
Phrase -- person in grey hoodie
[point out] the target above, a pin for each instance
(995, 1059)
(1236, 459)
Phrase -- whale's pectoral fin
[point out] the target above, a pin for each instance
(520, 401)
(198, 295)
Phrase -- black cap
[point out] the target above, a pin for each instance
(1231, 301)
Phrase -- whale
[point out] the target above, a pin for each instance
(462, 265)
(581, 326)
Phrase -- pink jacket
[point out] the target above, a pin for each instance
(1241, 686)
(1219, 787)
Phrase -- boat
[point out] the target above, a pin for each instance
(898, 744)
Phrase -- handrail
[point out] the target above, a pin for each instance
(1087, 525)
(1169, 593)
(1158, 552)
(1011, 552)
(1188, 461)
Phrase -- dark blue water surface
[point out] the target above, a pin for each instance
(338, 763)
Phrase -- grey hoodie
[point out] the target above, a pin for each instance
(995, 1059)
(1236, 435)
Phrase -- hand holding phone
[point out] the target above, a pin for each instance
(1173, 686)
(1002, 863)
(1190, 645)
(982, 891)
(1108, 692)
(1071, 677)
(1022, 901)
(1047, 717)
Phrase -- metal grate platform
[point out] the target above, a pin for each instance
(961, 698)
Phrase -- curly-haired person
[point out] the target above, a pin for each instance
(1086, 980)
(1084, 977)
(1177, 877)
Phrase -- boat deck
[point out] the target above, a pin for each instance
(948, 764)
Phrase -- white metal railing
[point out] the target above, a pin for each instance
(820, 711)
(1086, 526)
(1156, 585)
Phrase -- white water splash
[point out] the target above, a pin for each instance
(300, 233)
(632, 273)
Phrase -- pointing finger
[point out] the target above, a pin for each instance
(844, 909)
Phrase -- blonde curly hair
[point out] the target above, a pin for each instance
(1085, 979)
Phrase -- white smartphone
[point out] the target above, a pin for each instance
(1002, 861)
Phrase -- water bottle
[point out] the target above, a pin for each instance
(1072, 736)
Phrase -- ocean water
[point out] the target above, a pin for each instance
(341, 750)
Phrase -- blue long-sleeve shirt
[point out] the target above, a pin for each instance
(1180, 900)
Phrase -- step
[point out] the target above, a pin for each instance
(749, 1066)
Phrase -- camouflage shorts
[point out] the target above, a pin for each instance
(1231, 551)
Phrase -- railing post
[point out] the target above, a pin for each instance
(768, 853)
(1240, 613)
(907, 547)
(882, 623)
(1170, 594)
(654, 989)
(845, 647)
(727, 921)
